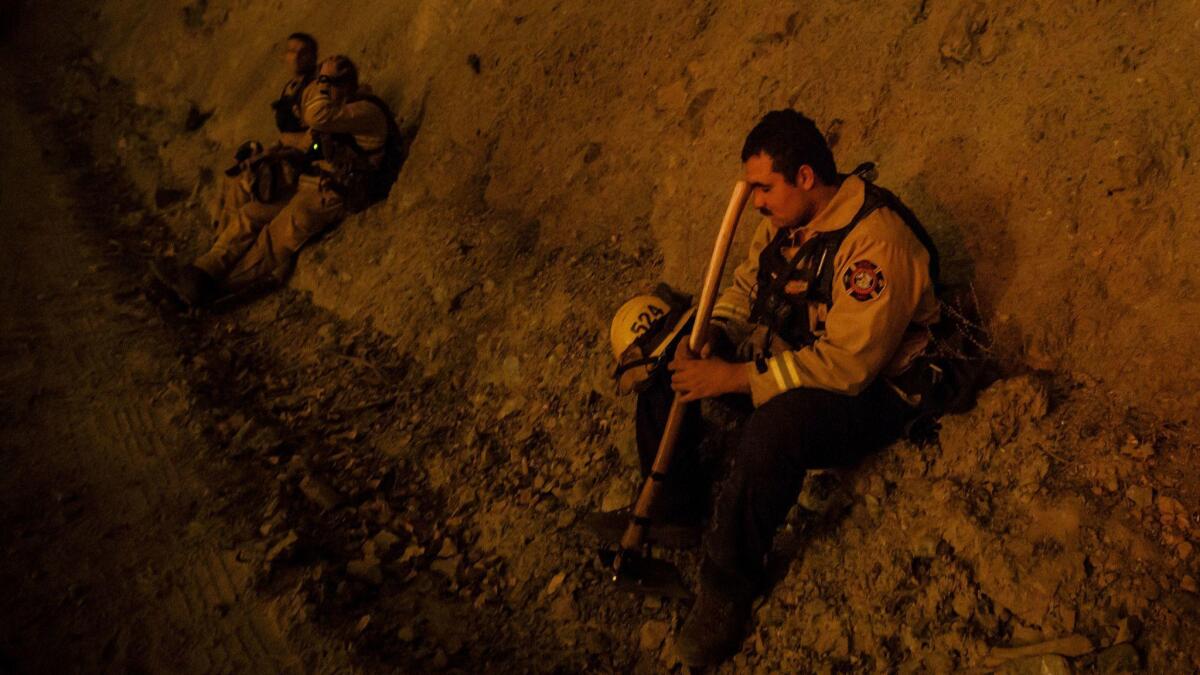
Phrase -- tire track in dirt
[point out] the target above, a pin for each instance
(98, 501)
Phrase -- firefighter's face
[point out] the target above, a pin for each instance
(785, 203)
(299, 57)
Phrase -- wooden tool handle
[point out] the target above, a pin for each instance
(716, 264)
(636, 532)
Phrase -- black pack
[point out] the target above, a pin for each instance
(275, 174)
(286, 119)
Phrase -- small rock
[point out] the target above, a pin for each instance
(363, 623)
(672, 97)
(448, 548)
(282, 546)
(1184, 550)
(563, 609)
(963, 604)
(1045, 664)
(366, 569)
(1142, 496)
(1188, 584)
(1119, 659)
(406, 634)
(385, 541)
(1136, 449)
(1125, 632)
(411, 552)
(1169, 507)
(652, 635)
(566, 518)
(555, 584)
(320, 493)
(447, 567)
(619, 496)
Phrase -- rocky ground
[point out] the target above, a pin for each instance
(390, 496)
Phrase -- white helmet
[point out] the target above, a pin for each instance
(642, 330)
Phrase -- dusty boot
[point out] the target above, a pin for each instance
(716, 626)
(195, 287)
(189, 283)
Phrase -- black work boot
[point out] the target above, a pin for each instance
(194, 286)
(716, 626)
(610, 527)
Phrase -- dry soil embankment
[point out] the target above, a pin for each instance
(569, 154)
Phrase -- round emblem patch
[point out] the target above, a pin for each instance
(864, 280)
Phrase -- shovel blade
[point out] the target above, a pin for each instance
(610, 527)
(646, 576)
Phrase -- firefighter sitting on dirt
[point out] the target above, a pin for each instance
(262, 180)
(301, 57)
(820, 329)
(353, 156)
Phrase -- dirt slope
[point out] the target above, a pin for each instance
(112, 561)
(1046, 145)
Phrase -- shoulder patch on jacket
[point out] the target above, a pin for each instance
(864, 281)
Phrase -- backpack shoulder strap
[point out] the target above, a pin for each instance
(874, 197)
(393, 126)
(884, 197)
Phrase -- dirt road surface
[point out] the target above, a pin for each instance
(106, 559)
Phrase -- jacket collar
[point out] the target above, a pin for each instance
(840, 210)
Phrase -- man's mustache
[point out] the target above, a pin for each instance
(765, 211)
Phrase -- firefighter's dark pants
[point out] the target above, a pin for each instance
(793, 432)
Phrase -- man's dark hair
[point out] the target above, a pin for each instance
(792, 140)
(308, 40)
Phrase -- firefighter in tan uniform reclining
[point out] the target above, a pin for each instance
(354, 155)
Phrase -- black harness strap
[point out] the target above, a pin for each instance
(814, 260)
(286, 119)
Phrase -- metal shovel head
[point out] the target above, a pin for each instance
(645, 575)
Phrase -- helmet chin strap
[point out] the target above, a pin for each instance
(622, 368)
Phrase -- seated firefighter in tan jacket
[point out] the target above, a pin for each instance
(351, 162)
(833, 302)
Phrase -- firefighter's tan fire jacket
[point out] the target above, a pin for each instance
(883, 304)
